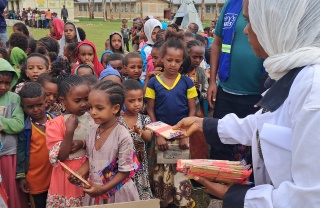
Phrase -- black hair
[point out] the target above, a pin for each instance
(124, 20)
(51, 45)
(207, 55)
(82, 33)
(114, 91)
(160, 35)
(193, 43)
(115, 57)
(18, 40)
(173, 40)
(46, 77)
(60, 67)
(7, 73)
(201, 39)
(90, 79)
(85, 66)
(131, 84)
(174, 26)
(189, 34)
(24, 66)
(4, 54)
(196, 27)
(207, 29)
(129, 56)
(22, 28)
(158, 44)
(66, 82)
(32, 44)
(31, 90)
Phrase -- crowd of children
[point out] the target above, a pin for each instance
(61, 104)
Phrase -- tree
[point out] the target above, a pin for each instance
(91, 9)
(202, 11)
(104, 10)
(111, 12)
(141, 13)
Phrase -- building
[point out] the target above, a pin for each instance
(130, 9)
(53, 5)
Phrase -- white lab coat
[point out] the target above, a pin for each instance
(289, 175)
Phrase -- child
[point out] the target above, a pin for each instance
(50, 86)
(116, 43)
(33, 166)
(4, 54)
(56, 27)
(36, 64)
(69, 54)
(70, 35)
(171, 98)
(83, 69)
(18, 40)
(17, 57)
(90, 80)
(11, 118)
(107, 45)
(82, 33)
(133, 66)
(125, 31)
(66, 137)
(19, 27)
(104, 56)
(110, 74)
(142, 39)
(135, 123)
(107, 141)
(86, 54)
(188, 36)
(116, 61)
(60, 67)
(50, 47)
(151, 28)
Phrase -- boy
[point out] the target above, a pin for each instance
(133, 67)
(33, 166)
(125, 31)
(11, 124)
(116, 61)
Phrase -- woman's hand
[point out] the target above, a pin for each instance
(162, 143)
(215, 189)
(94, 189)
(76, 145)
(189, 125)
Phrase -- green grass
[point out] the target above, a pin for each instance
(96, 30)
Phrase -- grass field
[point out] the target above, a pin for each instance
(96, 30)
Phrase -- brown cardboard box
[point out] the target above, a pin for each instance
(152, 203)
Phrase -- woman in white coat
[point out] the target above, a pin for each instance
(285, 133)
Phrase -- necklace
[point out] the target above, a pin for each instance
(100, 133)
(40, 124)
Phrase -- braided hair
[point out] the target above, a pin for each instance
(193, 43)
(66, 82)
(114, 91)
(51, 45)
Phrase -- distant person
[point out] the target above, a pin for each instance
(64, 14)
(3, 25)
(193, 27)
(125, 31)
(48, 18)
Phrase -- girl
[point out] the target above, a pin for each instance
(49, 47)
(116, 43)
(170, 97)
(60, 67)
(86, 54)
(36, 64)
(69, 54)
(83, 69)
(19, 27)
(104, 56)
(56, 26)
(135, 123)
(107, 142)
(17, 57)
(151, 28)
(66, 136)
(191, 68)
(70, 35)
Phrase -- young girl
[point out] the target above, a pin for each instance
(107, 142)
(36, 64)
(49, 47)
(135, 123)
(116, 43)
(104, 56)
(171, 97)
(70, 35)
(56, 26)
(66, 137)
(86, 54)
(69, 54)
(83, 69)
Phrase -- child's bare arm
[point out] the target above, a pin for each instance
(82, 171)
(192, 107)
(66, 144)
(150, 109)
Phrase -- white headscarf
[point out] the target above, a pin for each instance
(149, 27)
(289, 32)
(63, 40)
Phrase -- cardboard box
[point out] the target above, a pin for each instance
(172, 155)
(152, 203)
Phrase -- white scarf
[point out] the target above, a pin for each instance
(289, 32)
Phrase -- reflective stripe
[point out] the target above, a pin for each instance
(226, 48)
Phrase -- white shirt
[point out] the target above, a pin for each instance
(293, 170)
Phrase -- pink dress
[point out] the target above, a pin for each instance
(119, 144)
(61, 192)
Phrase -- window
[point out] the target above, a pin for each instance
(80, 7)
(99, 7)
(207, 9)
(95, 7)
(116, 8)
(121, 8)
(84, 7)
(127, 8)
(214, 9)
(132, 7)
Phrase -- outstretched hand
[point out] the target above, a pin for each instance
(215, 189)
(189, 125)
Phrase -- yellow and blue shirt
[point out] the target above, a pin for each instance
(171, 103)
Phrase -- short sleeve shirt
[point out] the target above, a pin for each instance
(171, 103)
(126, 32)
